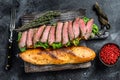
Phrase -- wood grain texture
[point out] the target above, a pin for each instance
(33, 68)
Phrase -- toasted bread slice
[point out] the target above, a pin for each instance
(70, 55)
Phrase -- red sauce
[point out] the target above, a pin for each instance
(109, 53)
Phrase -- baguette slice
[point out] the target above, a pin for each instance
(70, 55)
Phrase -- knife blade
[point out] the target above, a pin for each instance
(8, 62)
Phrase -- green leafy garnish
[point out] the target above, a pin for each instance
(23, 49)
(95, 29)
(19, 36)
(76, 42)
(86, 19)
(56, 45)
(40, 44)
(68, 44)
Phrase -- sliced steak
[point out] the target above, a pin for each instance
(89, 28)
(65, 38)
(70, 30)
(22, 42)
(45, 34)
(82, 28)
(76, 29)
(51, 38)
(38, 34)
(30, 38)
(59, 32)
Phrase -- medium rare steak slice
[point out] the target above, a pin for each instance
(70, 30)
(65, 38)
(22, 42)
(76, 29)
(30, 38)
(59, 32)
(82, 28)
(38, 34)
(44, 37)
(51, 38)
(89, 28)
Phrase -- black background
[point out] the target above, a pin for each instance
(96, 72)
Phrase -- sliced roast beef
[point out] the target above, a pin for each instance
(82, 28)
(65, 38)
(59, 32)
(51, 38)
(76, 29)
(30, 37)
(45, 34)
(22, 42)
(89, 28)
(38, 34)
(70, 30)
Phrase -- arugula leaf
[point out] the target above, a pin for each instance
(40, 44)
(95, 29)
(76, 42)
(68, 44)
(56, 45)
(22, 49)
(19, 36)
(86, 19)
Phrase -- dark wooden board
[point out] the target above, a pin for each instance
(29, 68)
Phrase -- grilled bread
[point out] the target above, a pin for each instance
(69, 55)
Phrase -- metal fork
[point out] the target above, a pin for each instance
(8, 62)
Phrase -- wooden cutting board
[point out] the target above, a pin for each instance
(34, 68)
(29, 68)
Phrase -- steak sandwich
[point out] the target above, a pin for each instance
(57, 44)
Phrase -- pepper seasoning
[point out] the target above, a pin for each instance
(109, 53)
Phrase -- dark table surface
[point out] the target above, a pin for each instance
(96, 72)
